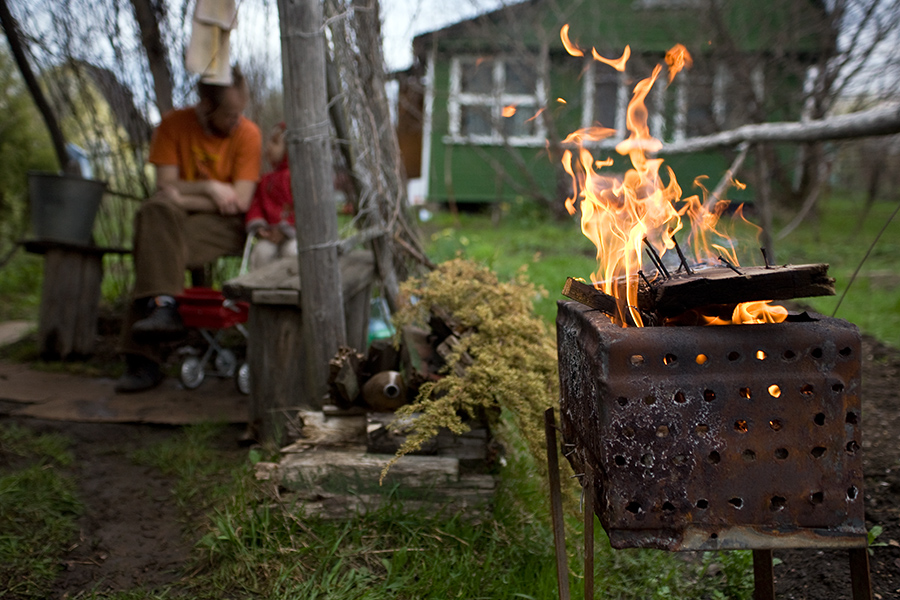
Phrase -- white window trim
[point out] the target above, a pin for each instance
(496, 101)
(425, 171)
(622, 99)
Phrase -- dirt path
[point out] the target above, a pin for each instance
(132, 534)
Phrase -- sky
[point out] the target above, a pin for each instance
(404, 19)
(401, 21)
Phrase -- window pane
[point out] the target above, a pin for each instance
(478, 76)
(606, 99)
(475, 120)
(521, 123)
(521, 77)
(700, 118)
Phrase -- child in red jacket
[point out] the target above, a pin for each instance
(271, 213)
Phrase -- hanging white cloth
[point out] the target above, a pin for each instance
(208, 53)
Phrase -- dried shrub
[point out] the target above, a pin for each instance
(509, 353)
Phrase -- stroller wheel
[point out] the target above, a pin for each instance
(226, 362)
(192, 373)
(242, 379)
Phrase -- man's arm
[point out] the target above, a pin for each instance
(206, 195)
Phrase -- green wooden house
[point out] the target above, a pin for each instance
(751, 61)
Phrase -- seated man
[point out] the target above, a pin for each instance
(207, 160)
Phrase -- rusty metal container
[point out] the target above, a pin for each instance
(723, 437)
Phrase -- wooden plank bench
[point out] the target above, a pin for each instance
(274, 351)
(70, 297)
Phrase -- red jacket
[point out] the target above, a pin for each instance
(273, 204)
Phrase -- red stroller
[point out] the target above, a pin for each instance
(208, 311)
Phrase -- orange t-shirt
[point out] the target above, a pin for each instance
(180, 141)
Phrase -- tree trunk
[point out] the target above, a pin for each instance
(312, 183)
(148, 14)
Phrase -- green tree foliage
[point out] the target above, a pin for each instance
(24, 145)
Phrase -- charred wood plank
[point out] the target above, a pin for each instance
(711, 286)
(722, 285)
(588, 295)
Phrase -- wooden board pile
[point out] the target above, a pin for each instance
(335, 465)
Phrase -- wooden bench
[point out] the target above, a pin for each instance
(70, 296)
(274, 351)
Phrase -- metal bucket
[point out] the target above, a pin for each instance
(63, 207)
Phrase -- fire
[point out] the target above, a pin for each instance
(758, 312)
(509, 111)
(745, 313)
(621, 214)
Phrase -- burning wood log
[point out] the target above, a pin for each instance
(721, 285)
(680, 292)
(588, 295)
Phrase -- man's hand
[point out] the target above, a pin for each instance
(204, 195)
(225, 197)
(169, 193)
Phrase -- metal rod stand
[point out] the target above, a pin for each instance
(763, 575)
(588, 508)
(559, 533)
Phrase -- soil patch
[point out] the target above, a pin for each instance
(132, 534)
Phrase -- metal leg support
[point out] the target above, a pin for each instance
(763, 575)
(588, 532)
(559, 534)
(860, 578)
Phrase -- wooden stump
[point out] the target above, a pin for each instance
(69, 302)
(275, 356)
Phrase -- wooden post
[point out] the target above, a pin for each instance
(312, 183)
(69, 300)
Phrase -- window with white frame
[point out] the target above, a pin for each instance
(693, 105)
(496, 98)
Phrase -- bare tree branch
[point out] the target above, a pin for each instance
(874, 122)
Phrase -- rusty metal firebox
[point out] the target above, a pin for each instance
(726, 437)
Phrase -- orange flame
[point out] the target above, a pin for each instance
(536, 115)
(618, 64)
(758, 312)
(745, 313)
(509, 111)
(677, 58)
(569, 46)
(620, 214)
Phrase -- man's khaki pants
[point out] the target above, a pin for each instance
(167, 241)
